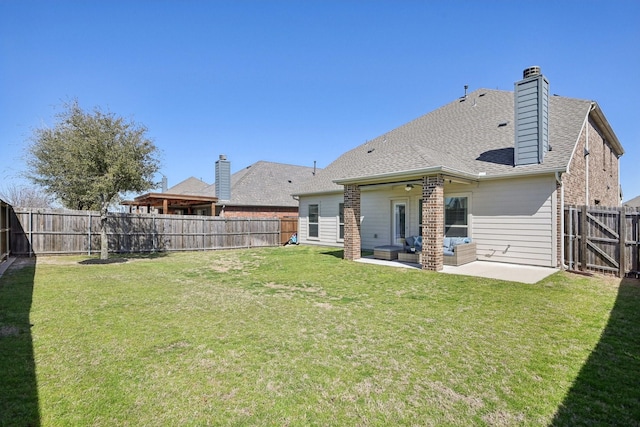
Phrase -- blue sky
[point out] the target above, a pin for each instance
(301, 81)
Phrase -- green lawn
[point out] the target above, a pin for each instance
(298, 336)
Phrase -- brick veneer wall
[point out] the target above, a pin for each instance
(258, 211)
(603, 172)
(602, 177)
(433, 222)
(352, 240)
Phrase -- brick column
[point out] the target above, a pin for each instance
(352, 242)
(432, 222)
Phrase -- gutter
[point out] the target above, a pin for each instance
(412, 174)
(407, 174)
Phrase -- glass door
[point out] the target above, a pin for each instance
(399, 226)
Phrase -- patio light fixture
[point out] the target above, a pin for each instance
(409, 187)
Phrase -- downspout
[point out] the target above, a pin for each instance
(559, 181)
(586, 161)
(586, 158)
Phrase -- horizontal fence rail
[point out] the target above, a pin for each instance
(51, 231)
(603, 240)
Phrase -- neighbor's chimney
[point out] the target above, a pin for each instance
(165, 184)
(223, 178)
(531, 117)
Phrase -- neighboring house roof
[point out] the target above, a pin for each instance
(260, 184)
(190, 185)
(471, 137)
(633, 203)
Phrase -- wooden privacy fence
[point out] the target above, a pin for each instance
(604, 240)
(49, 231)
(4, 230)
(288, 226)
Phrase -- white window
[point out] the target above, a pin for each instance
(313, 221)
(341, 221)
(456, 214)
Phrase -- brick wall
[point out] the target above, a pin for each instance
(257, 212)
(602, 176)
(352, 240)
(433, 222)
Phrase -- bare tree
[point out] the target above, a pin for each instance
(25, 196)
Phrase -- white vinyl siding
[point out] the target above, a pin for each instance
(376, 210)
(514, 220)
(327, 219)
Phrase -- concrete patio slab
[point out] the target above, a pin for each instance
(490, 270)
(501, 271)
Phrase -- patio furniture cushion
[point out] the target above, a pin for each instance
(446, 244)
(413, 242)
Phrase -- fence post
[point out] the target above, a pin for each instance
(248, 232)
(89, 232)
(623, 241)
(154, 238)
(30, 233)
(8, 224)
(569, 247)
(583, 238)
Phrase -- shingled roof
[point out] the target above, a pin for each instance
(633, 203)
(260, 184)
(471, 137)
(190, 185)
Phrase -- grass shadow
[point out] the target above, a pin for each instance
(120, 259)
(18, 387)
(606, 391)
(336, 253)
(339, 253)
(98, 261)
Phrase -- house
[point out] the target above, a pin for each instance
(495, 166)
(633, 203)
(261, 190)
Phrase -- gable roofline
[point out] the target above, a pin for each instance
(603, 124)
(596, 114)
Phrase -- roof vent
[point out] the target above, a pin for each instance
(531, 72)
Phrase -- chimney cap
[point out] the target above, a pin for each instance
(532, 71)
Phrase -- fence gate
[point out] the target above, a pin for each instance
(602, 239)
(288, 226)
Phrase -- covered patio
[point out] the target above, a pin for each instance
(432, 217)
(166, 203)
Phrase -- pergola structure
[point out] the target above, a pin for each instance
(170, 203)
